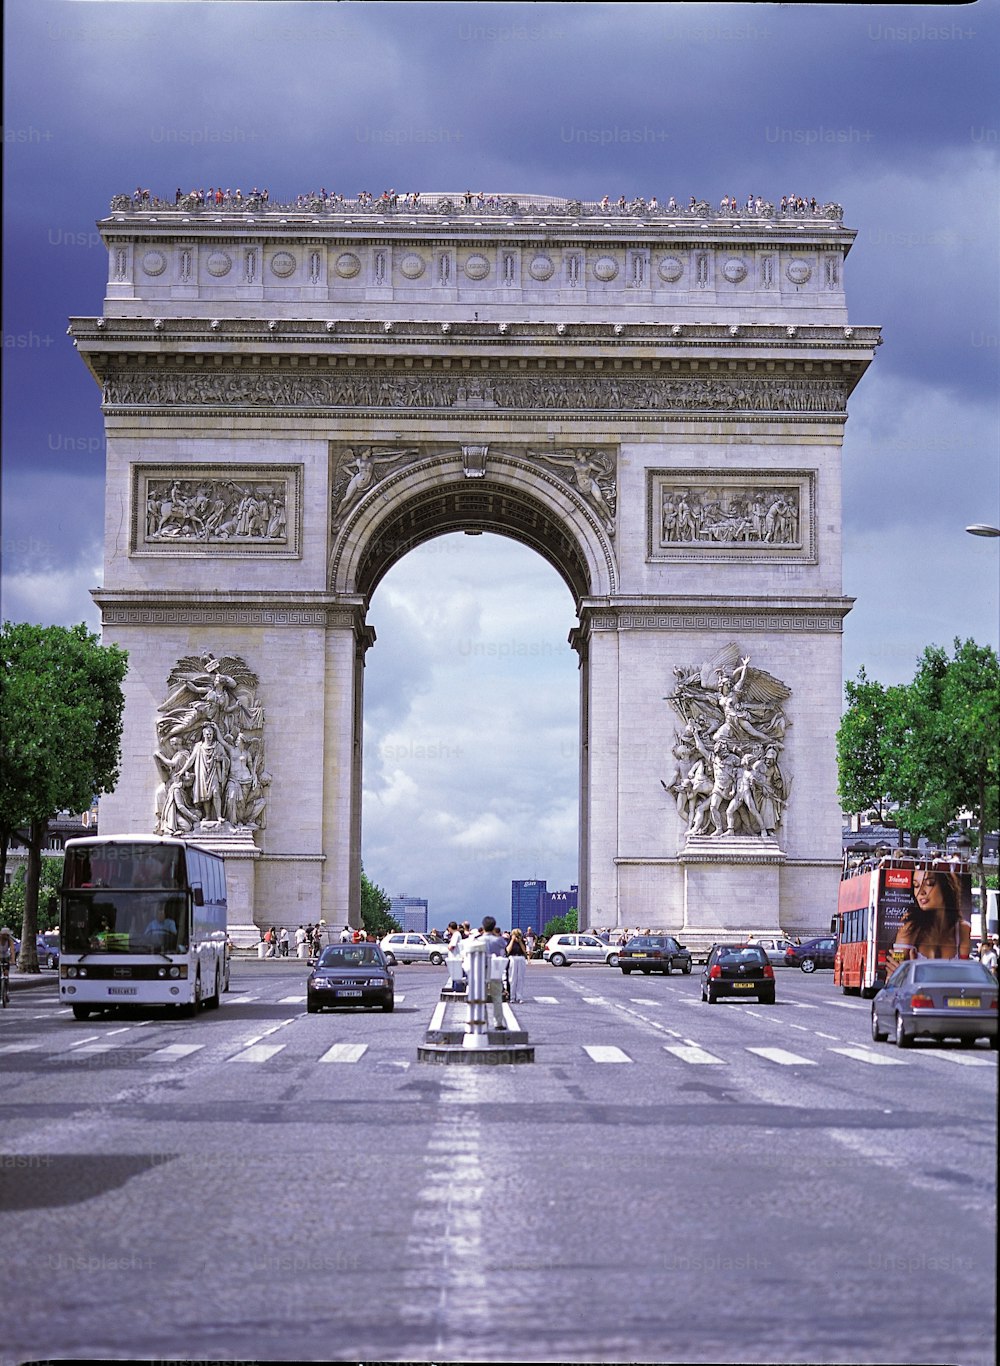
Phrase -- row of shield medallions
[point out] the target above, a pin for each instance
(633, 270)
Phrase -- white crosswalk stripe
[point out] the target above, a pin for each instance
(602, 1052)
(867, 1055)
(258, 1052)
(782, 1057)
(344, 1052)
(963, 1059)
(546, 1000)
(691, 1053)
(175, 1050)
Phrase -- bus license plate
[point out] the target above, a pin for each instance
(963, 1001)
(348, 993)
(123, 991)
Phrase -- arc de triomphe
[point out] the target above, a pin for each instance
(653, 399)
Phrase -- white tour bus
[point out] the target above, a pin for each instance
(142, 922)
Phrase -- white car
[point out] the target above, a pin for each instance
(579, 948)
(400, 947)
(774, 948)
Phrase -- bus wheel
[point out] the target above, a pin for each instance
(81, 1012)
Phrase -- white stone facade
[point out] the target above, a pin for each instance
(554, 373)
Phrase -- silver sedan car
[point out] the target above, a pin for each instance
(952, 998)
(407, 947)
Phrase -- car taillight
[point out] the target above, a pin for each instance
(993, 1003)
(922, 1002)
(715, 971)
(768, 970)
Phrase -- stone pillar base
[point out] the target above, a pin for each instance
(731, 885)
(236, 845)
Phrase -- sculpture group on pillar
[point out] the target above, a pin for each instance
(210, 748)
(728, 778)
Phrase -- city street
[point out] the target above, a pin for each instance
(670, 1181)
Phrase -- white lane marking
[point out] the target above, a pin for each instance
(291, 1000)
(259, 1052)
(782, 1057)
(594, 1000)
(602, 1052)
(344, 1052)
(691, 1053)
(264, 1033)
(238, 1000)
(643, 1001)
(90, 1038)
(801, 1005)
(820, 1035)
(866, 1055)
(19, 1047)
(175, 1050)
(547, 1000)
(847, 1005)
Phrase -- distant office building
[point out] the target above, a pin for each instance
(526, 907)
(410, 912)
(533, 905)
(558, 903)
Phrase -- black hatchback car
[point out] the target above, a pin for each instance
(654, 953)
(350, 975)
(737, 970)
(813, 954)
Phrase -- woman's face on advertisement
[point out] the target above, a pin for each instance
(927, 891)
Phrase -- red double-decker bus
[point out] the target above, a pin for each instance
(902, 906)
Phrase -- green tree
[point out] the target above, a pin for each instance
(375, 915)
(861, 746)
(61, 707)
(562, 924)
(943, 744)
(48, 895)
(931, 746)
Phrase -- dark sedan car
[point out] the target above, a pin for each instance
(737, 970)
(654, 953)
(350, 975)
(950, 998)
(813, 954)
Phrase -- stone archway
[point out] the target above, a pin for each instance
(654, 401)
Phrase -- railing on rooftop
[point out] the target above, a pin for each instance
(461, 206)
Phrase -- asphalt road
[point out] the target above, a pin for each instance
(670, 1181)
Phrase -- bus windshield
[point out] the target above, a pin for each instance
(125, 865)
(125, 922)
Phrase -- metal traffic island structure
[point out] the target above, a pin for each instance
(459, 1030)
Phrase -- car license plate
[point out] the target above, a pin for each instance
(638, 955)
(123, 991)
(963, 1001)
(344, 992)
(744, 986)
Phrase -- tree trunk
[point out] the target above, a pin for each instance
(28, 959)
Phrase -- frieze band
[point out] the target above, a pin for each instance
(499, 391)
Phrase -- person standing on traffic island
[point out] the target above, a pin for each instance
(496, 968)
(517, 964)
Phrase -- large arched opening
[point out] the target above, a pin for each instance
(492, 801)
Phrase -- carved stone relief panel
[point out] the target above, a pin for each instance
(729, 777)
(725, 514)
(209, 748)
(216, 509)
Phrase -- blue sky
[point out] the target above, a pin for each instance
(471, 703)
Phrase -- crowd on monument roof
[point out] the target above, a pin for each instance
(412, 201)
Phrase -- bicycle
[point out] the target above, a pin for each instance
(5, 981)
